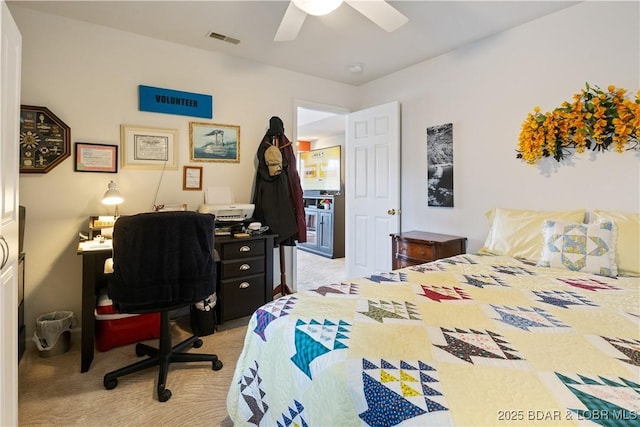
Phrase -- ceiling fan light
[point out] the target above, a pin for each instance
(317, 7)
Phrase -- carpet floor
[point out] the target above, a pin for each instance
(53, 392)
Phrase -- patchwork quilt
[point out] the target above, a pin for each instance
(469, 340)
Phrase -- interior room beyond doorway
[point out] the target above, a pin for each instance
(319, 127)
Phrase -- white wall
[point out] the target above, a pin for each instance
(328, 141)
(88, 76)
(486, 90)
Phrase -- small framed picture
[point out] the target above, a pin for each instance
(149, 148)
(211, 142)
(192, 178)
(96, 157)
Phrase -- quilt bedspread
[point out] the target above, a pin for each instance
(468, 340)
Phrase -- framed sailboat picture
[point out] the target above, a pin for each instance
(212, 142)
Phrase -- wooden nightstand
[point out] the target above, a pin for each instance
(417, 247)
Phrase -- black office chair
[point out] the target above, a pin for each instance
(162, 261)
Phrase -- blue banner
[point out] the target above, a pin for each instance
(168, 101)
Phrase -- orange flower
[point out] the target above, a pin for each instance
(595, 119)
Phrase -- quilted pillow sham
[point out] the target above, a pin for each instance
(516, 232)
(628, 244)
(590, 248)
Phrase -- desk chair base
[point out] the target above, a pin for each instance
(162, 357)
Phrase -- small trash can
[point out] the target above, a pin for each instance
(53, 333)
(203, 316)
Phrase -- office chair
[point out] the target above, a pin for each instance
(162, 261)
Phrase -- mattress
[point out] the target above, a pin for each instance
(468, 340)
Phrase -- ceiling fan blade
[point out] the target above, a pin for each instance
(380, 12)
(291, 23)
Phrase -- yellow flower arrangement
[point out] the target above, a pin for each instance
(594, 120)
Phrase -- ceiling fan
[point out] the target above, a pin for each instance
(378, 11)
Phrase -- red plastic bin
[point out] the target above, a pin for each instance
(113, 330)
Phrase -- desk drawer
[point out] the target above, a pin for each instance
(242, 249)
(241, 297)
(241, 267)
(417, 251)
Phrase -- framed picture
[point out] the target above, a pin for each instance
(192, 178)
(440, 165)
(149, 148)
(45, 140)
(211, 142)
(96, 157)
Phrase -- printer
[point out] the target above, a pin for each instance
(220, 201)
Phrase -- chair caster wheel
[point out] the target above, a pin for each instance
(164, 395)
(217, 365)
(139, 351)
(110, 384)
(197, 343)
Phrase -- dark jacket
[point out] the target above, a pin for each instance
(295, 188)
(273, 200)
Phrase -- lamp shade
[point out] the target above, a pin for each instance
(317, 7)
(112, 196)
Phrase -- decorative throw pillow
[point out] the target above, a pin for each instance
(516, 232)
(628, 244)
(589, 248)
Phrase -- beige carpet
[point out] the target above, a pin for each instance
(315, 270)
(53, 392)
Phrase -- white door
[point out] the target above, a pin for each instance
(10, 57)
(372, 196)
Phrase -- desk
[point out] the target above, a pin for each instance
(93, 257)
(244, 281)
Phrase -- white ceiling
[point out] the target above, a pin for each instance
(326, 46)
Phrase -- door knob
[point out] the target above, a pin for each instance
(391, 211)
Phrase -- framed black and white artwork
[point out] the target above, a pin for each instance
(440, 165)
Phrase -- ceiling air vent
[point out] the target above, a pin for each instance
(224, 38)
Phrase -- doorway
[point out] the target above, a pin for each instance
(317, 127)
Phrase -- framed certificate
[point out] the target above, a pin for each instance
(148, 148)
(192, 178)
(96, 157)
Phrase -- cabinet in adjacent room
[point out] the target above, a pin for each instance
(324, 216)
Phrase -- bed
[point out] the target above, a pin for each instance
(475, 339)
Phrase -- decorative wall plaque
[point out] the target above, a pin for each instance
(44, 140)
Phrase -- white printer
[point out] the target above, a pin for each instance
(220, 202)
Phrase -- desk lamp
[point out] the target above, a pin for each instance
(112, 197)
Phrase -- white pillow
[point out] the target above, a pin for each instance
(517, 233)
(628, 246)
(590, 248)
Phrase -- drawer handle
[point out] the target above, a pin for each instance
(244, 267)
(244, 285)
(245, 248)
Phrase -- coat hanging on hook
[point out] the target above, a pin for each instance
(278, 193)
